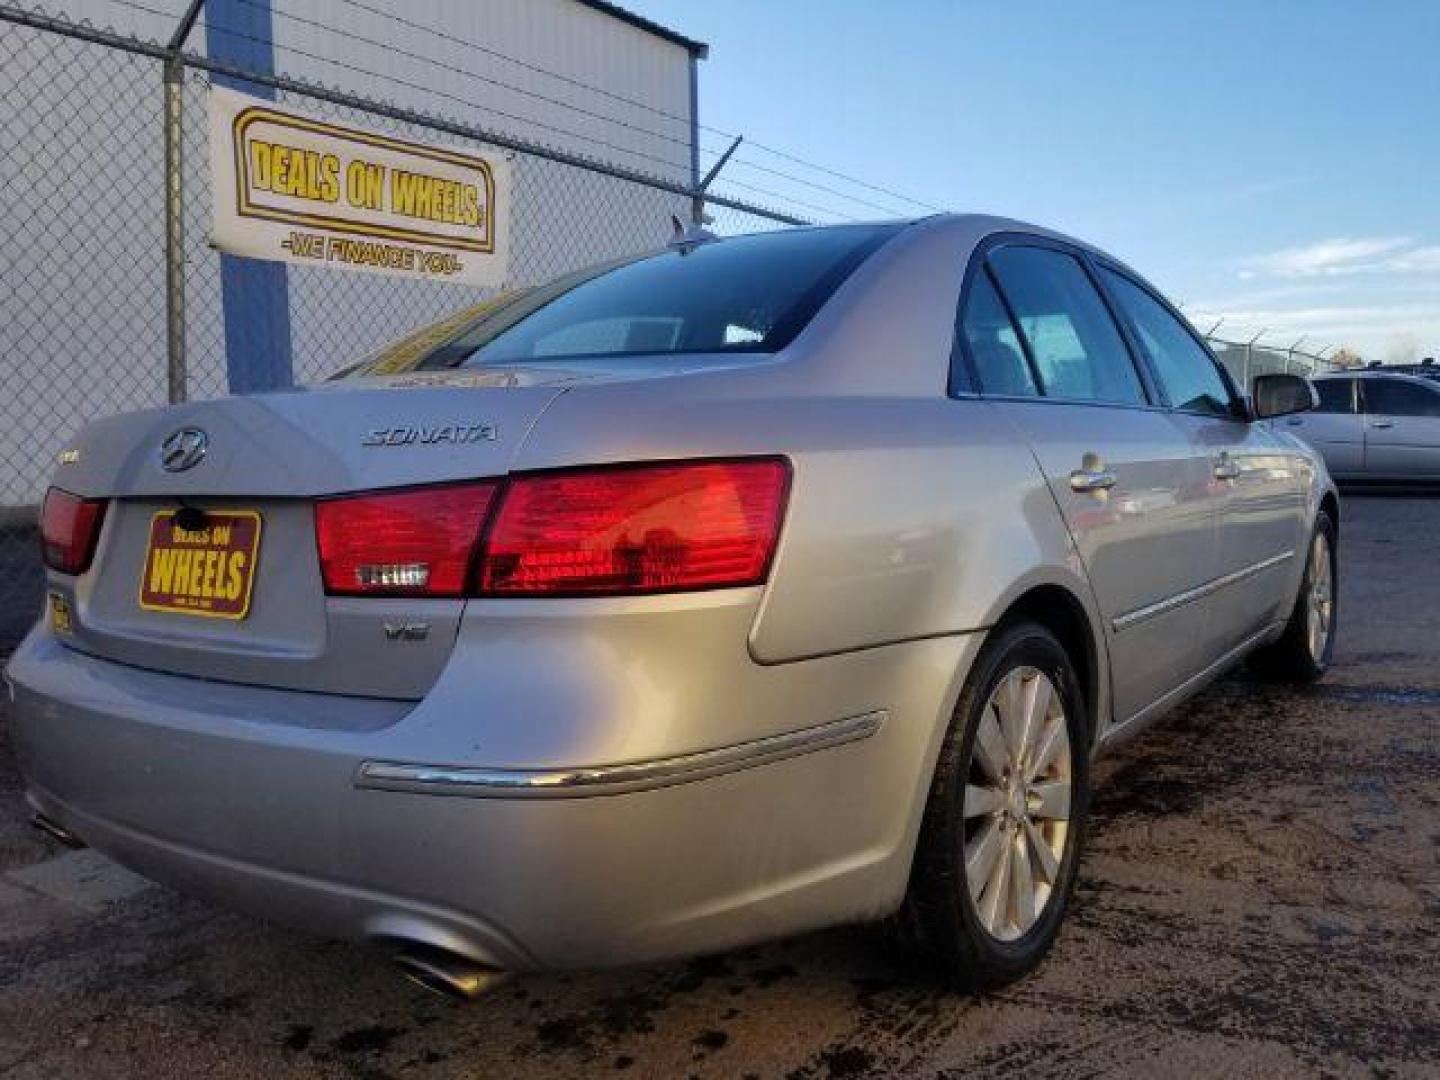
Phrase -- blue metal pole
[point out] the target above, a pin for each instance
(255, 292)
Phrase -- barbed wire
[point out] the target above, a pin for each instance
(470, 43)
(791, 199)
(832, 172)
(739, 159)
(390, 47)
(890, 210)
(429, 91)
(728, 181)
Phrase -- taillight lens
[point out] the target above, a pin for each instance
(69, 528)
(636, 529)
(614, 530)
(408, 543)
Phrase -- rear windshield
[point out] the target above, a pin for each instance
(741, 295)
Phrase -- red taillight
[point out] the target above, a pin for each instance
(408, 543)
(582, 532)
(636, 529)
(69, 528)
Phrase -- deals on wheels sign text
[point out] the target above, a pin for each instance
(293, 187)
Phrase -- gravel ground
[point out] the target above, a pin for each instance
(1260, 898)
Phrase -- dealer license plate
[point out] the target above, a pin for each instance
(208, 571)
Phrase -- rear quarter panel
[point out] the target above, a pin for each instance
(931, 529)
(908, 518)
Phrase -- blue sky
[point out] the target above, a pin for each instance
(1277, 163)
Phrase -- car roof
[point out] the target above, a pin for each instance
(970, 227)
(1372, 373)
(967, 221)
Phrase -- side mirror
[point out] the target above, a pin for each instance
(1281, 395)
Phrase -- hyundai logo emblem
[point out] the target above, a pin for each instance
(183, 449)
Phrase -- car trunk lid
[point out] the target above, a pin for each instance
(261, 464)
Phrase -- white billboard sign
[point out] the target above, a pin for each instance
(290, 186)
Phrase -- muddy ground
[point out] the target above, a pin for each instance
(1261, 897)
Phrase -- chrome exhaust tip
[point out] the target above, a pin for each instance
(56, 831)
(445, 973)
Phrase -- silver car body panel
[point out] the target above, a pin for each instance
(1401, 447)
(1339, 437)
(718, 767)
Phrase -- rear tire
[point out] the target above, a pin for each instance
(1000, 842)
(1304, 651)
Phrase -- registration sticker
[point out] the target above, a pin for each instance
(62, 620)
(208, 571)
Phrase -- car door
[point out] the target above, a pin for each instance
(1402, 428)
(1044, 346)
(1335, 428)
(1261, 484)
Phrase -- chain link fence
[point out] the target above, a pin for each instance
(1247, 359)
(83, 282)
(83, 239)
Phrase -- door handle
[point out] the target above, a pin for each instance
(1295, 421)
(1382, 423)
(1092, 480)
(1227, 468)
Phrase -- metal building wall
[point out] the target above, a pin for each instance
(563, 36)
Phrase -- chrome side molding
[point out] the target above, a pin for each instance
(56, 831)
(1170, 603)
(613, 779)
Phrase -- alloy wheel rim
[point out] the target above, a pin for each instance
(1017, 803)
(1320, 613)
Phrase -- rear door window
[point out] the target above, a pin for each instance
(1074, 343)
(1188, 376)
(1336, 395)
(994, 347)
(1394, 397)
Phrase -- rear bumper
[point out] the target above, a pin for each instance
(257, 799)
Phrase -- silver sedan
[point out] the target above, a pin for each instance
(746, 587)
(1374, 426)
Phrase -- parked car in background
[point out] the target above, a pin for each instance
(1374, 426)
(738, 589)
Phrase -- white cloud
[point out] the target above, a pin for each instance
(1333, 316)
(1420, 260)
(1344, 255)
(1370, 328)
(1359, 291)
